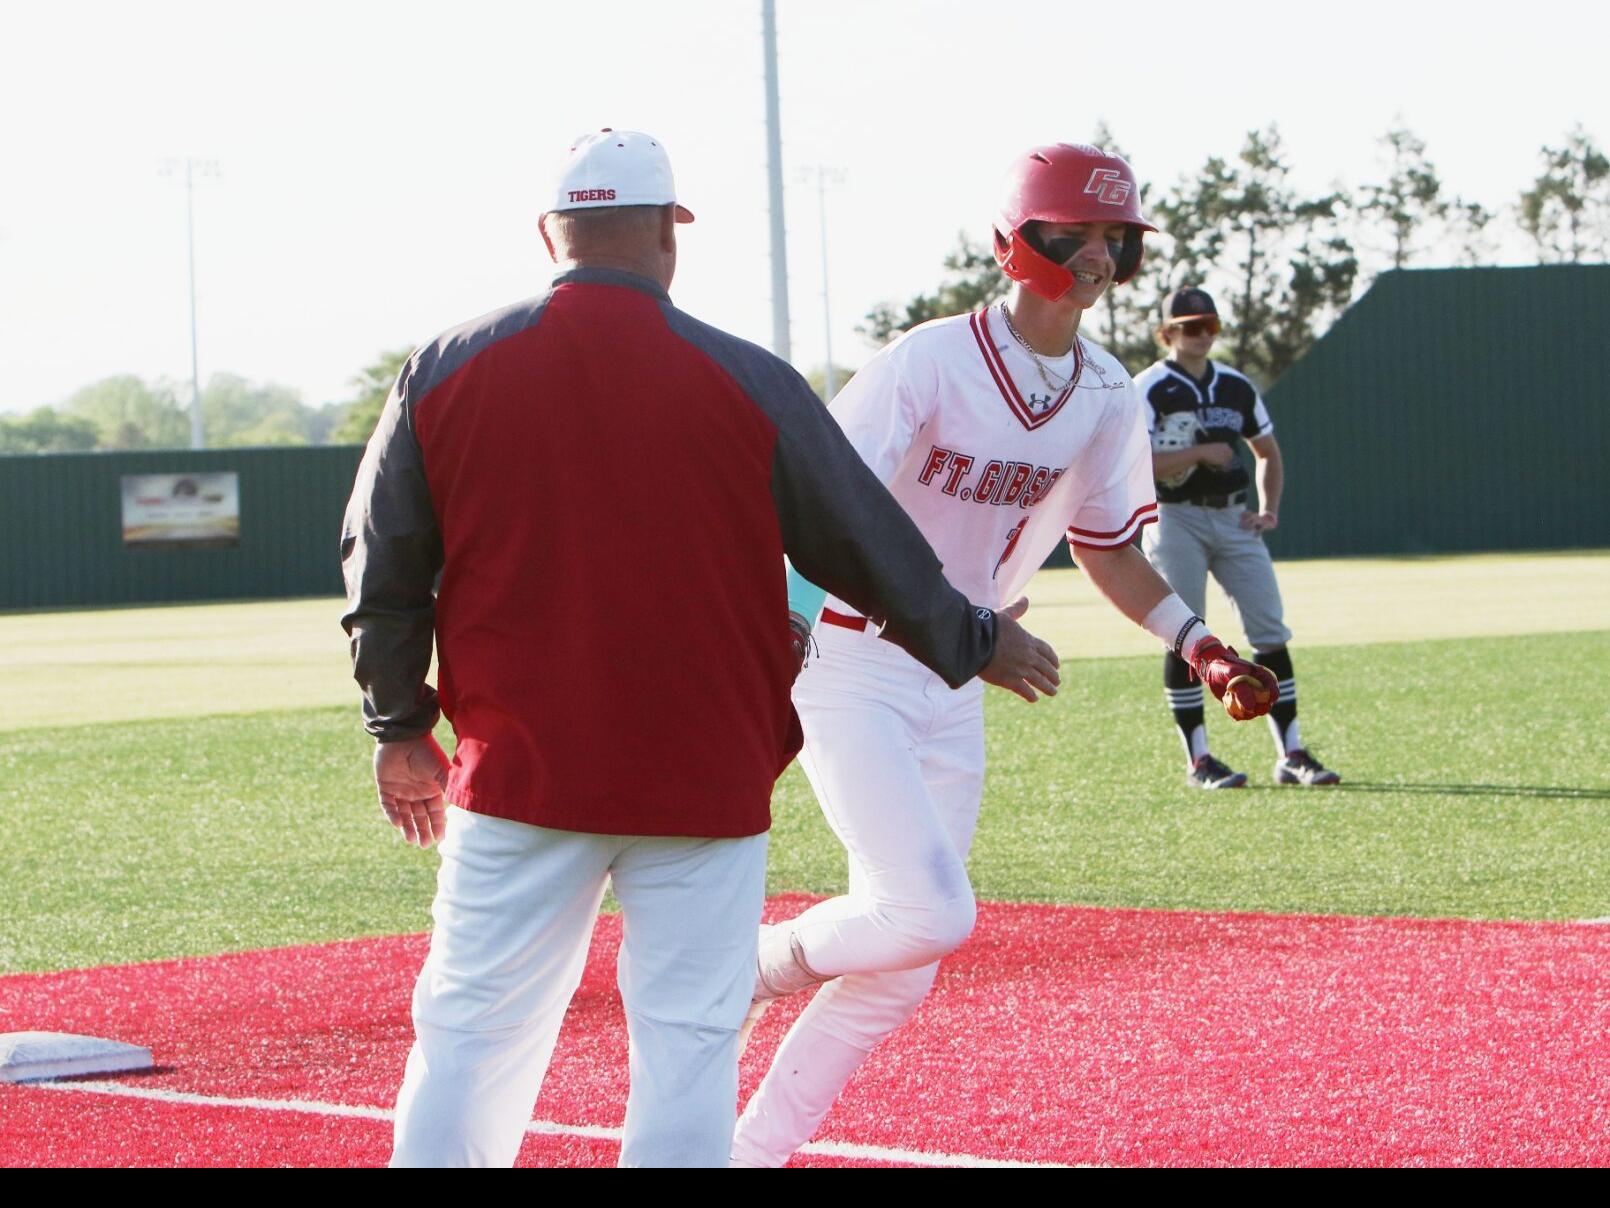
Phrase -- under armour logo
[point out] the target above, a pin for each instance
(1040, 402)
(1109, 186)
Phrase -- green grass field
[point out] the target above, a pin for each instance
(191, 780)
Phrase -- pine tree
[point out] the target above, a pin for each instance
(1567, 209)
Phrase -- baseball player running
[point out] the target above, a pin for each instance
(1197, 410)
(1000, 432)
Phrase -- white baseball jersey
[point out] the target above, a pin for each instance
(994, 466)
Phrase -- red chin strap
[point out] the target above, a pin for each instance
(1019, 261)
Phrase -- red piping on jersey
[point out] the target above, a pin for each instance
(989, 363)
(1145, 514)
(979, 322)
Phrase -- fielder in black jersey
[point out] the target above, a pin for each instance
(1198, 411)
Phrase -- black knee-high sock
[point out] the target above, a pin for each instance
(1283, 717)
(1184, 696)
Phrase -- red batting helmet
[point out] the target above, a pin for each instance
(1065, 182)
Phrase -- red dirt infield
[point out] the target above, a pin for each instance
(1054, 1035)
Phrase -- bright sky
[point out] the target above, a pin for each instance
(382, 166)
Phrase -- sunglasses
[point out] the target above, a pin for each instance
(1064, 248)
(1198, 327)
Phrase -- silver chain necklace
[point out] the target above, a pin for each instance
(1045, 371)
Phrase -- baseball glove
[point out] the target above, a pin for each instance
(1176, 431)
(1245, 689)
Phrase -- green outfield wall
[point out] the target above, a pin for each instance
(74, 529)
(1452, 410)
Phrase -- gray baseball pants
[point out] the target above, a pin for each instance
(1188, 543)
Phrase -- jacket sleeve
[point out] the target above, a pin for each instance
(845, 532)
(391, 553)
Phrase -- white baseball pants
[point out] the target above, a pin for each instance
(897, 761)
(514, 911)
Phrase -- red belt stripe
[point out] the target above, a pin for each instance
(829, 617)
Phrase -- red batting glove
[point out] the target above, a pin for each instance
(1246, 689)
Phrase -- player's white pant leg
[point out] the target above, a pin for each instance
(691, 913)
(849, 1016)
(514, 910)
(817, 1059)
(867, 709)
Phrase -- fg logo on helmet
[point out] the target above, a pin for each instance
(1109, 187)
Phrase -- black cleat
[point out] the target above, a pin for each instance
(1209, 773)
(1299, 767)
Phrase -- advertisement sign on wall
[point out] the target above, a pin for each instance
(181, 511)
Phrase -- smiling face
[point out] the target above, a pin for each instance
(1089, 250)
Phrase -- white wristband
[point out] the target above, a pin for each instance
(1174, 624)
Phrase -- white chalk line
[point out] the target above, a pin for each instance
(1596, 922)
(313, 1107)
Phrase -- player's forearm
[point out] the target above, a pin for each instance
(1127, 580)
(1271, 480)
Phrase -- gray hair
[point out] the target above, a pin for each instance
(603, 228)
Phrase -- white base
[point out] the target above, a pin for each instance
(37, 1056)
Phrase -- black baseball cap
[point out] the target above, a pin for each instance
(1188, 302)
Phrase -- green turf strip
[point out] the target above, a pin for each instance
(1478, 785)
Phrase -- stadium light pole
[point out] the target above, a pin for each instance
(207, 169)
(826, 175)
(780, 343)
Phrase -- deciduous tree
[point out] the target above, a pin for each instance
(237, 413)
(373, 384)
(129, 414)
(818, 380)
(43, 430)
(971, 279)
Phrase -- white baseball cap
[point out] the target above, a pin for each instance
(616, 168)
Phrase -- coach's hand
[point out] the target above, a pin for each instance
(1022, 662)
(411, 777)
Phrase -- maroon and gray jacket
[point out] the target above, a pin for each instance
(606, 488)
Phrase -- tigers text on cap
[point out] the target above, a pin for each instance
(1188, 303)
(616, 168)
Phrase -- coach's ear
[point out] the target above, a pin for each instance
(542, 229)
